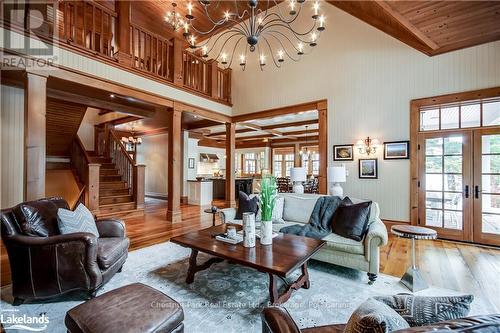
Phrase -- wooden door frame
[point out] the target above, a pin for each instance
(478, 235)
(321, 106)
(415, 106)
(465, 234)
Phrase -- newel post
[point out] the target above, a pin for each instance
(93, 187)
(179, 45)
(139, 185)
(213, 66)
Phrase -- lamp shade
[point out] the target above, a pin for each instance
(298, 174)
(337, 174)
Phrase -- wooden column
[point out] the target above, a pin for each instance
(178, 61)
(230, 164)
(296, 155)
(35, 97)
(140, 185)
(323, 146)
(174, 165)
(213, 65)
(124, 54)
(93, 190)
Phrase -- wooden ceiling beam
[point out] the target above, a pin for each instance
(200, 124)
(291, 124)
(407, 24)
(97, 103)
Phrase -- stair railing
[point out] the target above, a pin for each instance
(87, 173)
(123, 162)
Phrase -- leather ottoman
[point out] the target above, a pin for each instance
(132, 308)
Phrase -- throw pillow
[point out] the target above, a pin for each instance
(39, 218)
(373, 316)
(426, 310)
(277, 216)
(351, 221)
(80, 220)
(245, 205)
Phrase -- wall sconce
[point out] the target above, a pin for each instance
(367, 146)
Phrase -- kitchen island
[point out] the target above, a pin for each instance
(241, 184)
(200, 192)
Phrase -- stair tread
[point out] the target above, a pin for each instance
(116, 204)
(114, 196)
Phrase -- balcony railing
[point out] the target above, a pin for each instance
(87, 24)
(151, 53)
(94, 28)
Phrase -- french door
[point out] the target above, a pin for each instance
(459, 184)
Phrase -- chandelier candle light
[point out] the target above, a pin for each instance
(264, 28)
(367, 146)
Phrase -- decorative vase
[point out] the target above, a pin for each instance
(266, 232)
(248, 229)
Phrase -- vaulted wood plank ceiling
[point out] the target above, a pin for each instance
(432, 27)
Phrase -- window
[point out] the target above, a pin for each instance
(311, 161)
(467, 114)
(289, 163)
(277, 165)
(250, 163)
(283, 161)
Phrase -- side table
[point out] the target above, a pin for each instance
(210, 211)
(413, 279)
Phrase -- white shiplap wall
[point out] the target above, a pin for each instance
(369, 79)
(153, 152)
(11, 146)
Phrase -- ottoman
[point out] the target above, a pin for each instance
(129, 309)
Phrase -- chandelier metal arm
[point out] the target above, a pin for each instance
(232, 53)
(284, 48)
(271, 52)
(218, 38)
(223, 45)
(287, 26)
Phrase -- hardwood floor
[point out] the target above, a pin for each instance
(457, 266)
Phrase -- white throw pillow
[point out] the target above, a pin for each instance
(277, 216)
(80, 220)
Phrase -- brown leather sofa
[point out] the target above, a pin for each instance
(278, 320)
(46, 264)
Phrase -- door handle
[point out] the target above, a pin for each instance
(466, 191)
(476, 192)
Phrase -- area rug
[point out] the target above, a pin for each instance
(228, 297)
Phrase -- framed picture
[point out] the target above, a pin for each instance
(191, 163)
(368, 168)
(343, 153)
(397, 150)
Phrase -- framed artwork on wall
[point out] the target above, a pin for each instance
(397, 150)
(191, 163)
(368, 168)
(343, 153)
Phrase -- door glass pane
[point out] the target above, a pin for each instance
(434, 200)
(453, 201)
(453, 164)
(434, 218)
(490, 198)
(434, 182)
(453, 183)
(449, 117)
(434, 164)
(491, 114)
(434, 146)
(470, 115)
(444, 182)
(429, 120)
(453, 145)
(452, 220)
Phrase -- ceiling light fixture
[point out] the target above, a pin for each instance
(175, 19)
(249, 27)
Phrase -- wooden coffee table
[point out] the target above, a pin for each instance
(279, 260)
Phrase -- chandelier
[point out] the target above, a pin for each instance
(269, 31)
(174, 18)
(306, 152)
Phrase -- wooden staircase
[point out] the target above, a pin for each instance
(115, 195)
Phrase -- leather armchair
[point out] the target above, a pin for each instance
(46, 267)
(278, 320)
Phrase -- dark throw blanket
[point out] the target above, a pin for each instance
(319, 225)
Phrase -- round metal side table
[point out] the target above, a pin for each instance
(413, 279)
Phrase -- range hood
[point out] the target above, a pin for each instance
(210, 158)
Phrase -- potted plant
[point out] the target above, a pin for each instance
(267, 201)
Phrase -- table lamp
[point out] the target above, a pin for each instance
(337, 175)
(297, 176)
